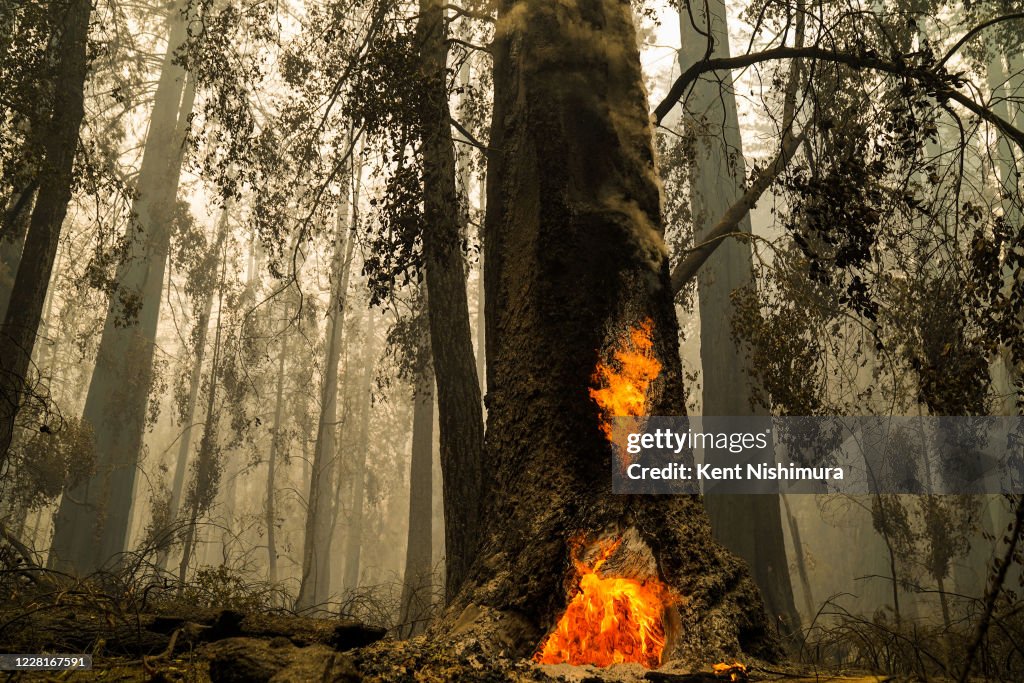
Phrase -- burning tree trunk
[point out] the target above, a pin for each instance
(576, 265)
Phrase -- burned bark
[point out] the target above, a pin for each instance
(575, 257)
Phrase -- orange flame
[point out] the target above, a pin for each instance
(622, 384)
(610, 620)
(735, 671)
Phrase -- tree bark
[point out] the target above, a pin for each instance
(364, 397)
(315, 587)
(276, 440)
(749, 525)
(92, 522)
(417, 582)
(21, 321)
(458, 390)
(575, 257)
(206, 472)
(195, 380)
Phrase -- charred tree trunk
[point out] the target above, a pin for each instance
(316, 564)
(575, 257)
(28, 293)
(12, 239)
(417, 582)
(458, 390)
(749, 525)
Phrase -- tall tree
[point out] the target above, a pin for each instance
(20, 325)
(92, 523)
(749, 525)
(458, 390)
(315, 587)
(360, 452)
(417, 580)
(575, 259)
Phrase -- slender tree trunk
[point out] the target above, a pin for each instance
(316, 565)
(275, 453)
(354, 537)
(195, 381)
(92, 522)
(749, 525)
(417, 582)
(575, 258)
(21, 321)
(458, 390)
(206, 472)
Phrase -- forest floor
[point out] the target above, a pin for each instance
(227, 646)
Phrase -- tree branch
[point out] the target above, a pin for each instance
(687, 268)
(935, 82)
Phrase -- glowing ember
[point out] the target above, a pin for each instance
(735, 671)
(610, 620)
(622, 384)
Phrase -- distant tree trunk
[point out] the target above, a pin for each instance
(458, 390)
(206, 471)
(270, 512)
(315, 587)
(93, 518)
(749, 525)
(195, 380)
(575, 257)
(21, 320)
(364, 395)
(417, 582)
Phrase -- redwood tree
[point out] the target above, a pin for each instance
(575, 257)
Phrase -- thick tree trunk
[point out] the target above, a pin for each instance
(458, 390)
(364, 398)
(417, 582)
(21, 321)
(316, 564)
(92, 523)
(749, 525)
(575, 257)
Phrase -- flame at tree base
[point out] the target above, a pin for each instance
(611, 620)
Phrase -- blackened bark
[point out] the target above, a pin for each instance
(458, 390)
(21, 322)
(575, 256)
